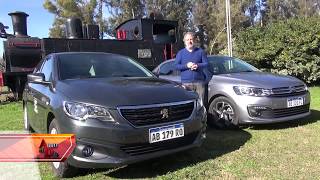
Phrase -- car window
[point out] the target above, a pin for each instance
(223, 65)
(47, 68)
(38, 67)
(91, 65)
(214, 68)
(168, 69)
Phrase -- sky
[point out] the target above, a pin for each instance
(39, 20)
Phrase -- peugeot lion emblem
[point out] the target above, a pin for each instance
(165, 113)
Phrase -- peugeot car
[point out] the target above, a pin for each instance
(119, 111)
(240, 94)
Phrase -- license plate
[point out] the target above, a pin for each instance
(144, 53)
(166, 132)
(293, 102)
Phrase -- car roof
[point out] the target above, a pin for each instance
(216, 56)
(63, 53)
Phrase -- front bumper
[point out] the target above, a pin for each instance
(276, 109)
(120, 144)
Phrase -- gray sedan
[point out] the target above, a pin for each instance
(239, 93)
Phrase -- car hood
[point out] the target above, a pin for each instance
(257, 79)
(172, 78)
(113, 92)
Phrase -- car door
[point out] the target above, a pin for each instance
(40, 96)
(168, 71)
(31, 103)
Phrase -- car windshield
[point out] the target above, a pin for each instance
(226, 65)
(91, 65)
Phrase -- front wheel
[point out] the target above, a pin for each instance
(222, 113)
(61, 169)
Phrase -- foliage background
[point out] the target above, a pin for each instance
(290, 47)
(278, 35)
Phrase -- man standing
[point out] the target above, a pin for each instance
(191, 61)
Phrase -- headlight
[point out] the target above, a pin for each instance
(199, 103)
(81, 111)
(251, 91)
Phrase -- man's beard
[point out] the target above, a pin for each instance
(189, 46)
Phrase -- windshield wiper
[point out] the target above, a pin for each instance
(121, 75)
(246, 71)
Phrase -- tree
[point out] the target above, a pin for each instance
(290, 47)
(176, 10)
(281, 10)
(200, 12)
(200, 20)
(277, 10)
(63, 9)
(2, 65)
(262, 12)
(214, 19)
(123, 10)
(308, 8)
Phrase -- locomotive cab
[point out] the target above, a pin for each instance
(161, 33)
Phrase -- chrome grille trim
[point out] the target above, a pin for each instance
(145, 115)
(288, 91)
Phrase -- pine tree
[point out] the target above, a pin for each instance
(123, 10)
(176, 10)
(63, 9)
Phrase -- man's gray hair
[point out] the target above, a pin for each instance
(188, 33)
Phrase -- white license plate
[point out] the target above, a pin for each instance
(166, 132)
(144, 53)
(293, 102)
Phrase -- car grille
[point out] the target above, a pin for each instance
(149, 115)
(285, 112)
(145, 148)
(291, 111)
(288, 91)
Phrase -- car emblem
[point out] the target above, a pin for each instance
(165, 113)
(292, 89)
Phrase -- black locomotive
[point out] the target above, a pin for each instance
(148, 40)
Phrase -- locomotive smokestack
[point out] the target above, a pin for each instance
(74, 28)
(19, 22)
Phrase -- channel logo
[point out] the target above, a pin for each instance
(36, 147)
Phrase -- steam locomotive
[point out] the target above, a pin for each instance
(148, 40)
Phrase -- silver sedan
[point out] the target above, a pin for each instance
(240, 94)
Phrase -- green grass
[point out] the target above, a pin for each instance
(288, 150)
(11, 117)
(315, 93)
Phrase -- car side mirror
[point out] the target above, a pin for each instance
(37, 78)
(156, 73)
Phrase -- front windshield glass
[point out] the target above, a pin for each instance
(226, 65)
(92, 65)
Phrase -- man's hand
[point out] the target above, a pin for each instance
(189, 65)
(194, 66)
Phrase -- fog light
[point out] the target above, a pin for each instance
(87, 151)
(256, 111)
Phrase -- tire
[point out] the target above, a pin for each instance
(61, 169)
(27, 126)
(223, 113)
(17, 94)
